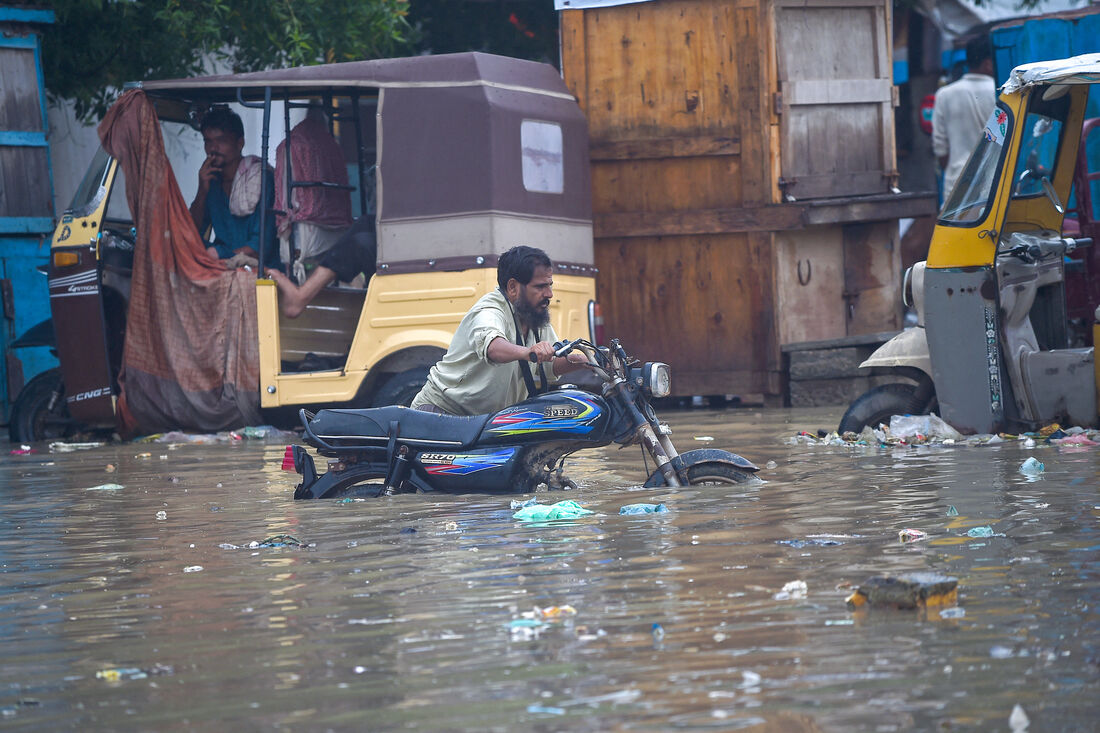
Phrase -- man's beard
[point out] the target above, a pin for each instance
(534, 316)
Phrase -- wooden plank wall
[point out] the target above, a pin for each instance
(835, 77)
(24, 171)
(677, 98)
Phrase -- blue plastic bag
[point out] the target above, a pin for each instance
(643, 509)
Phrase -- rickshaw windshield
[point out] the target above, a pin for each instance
(969, 201)
(91, 190)
(1039, 145)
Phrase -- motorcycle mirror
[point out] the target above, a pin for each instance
(1048, 189)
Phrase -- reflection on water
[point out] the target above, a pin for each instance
(397, 613)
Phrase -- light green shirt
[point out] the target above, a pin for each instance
(465, 382)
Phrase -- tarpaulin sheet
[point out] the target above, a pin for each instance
(191, 358)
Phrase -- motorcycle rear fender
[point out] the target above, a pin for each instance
(908, 349)
(317, 486)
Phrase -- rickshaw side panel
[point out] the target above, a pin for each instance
(76, 302)
(400, 312)
(964, 347)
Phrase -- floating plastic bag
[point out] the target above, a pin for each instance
(792, 590)
(567, 509)
(1032, 467)
(105, 487)
(643, 509)
(925, 426)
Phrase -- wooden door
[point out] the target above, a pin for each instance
(835, 97)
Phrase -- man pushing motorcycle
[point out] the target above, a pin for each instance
(476, 376)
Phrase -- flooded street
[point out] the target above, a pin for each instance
(408, 613)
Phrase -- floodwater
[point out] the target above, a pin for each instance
(406, 613)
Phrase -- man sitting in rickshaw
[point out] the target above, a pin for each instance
(229, 191)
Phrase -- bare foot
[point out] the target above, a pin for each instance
(291, 300)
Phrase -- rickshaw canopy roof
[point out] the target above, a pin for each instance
(474, 152)
(1084, 69)
(446, 70)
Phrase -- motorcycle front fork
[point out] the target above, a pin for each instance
(662, 450)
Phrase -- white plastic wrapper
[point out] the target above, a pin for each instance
(928, 426)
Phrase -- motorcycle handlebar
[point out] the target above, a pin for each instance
(561, 348)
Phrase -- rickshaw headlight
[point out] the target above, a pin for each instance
(658, 379)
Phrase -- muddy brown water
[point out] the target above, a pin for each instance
(400, 613)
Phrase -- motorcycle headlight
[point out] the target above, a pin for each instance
(657, 379)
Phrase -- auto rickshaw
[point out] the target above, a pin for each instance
(995, 347)
(451, 160)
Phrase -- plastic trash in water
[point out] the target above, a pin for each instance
(1076, 439)
(119, 674)
(162, 515)
(193, 569)
(952, 511)
(954, 612)
(22, 450)
(791, 591)
(810, 542)
(282, 540)
(1018, 721)
(545, 709)
(526, 629)
(1032, 467)
(105, 487)
(59, 447)
(985, 531)
(643, 509)
(922, 426)
(531, 624)
(554, 613)
(520, 503)
(567, 509)
(658, 631)
(912, 535)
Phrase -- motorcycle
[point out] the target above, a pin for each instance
(390, 450)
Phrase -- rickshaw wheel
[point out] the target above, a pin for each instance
(401, 388)
(879, 404)
(31, 416)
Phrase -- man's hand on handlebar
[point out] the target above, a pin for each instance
(542, 351)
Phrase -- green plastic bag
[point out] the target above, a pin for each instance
(567, 509)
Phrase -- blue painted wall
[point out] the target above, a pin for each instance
(25, 240)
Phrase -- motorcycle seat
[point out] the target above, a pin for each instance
(371, 427)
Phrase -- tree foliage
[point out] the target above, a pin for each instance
(97, 45)
(521, 28)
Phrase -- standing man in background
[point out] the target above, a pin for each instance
(961, 111)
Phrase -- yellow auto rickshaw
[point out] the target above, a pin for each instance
(993, 349)
(450, 161)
